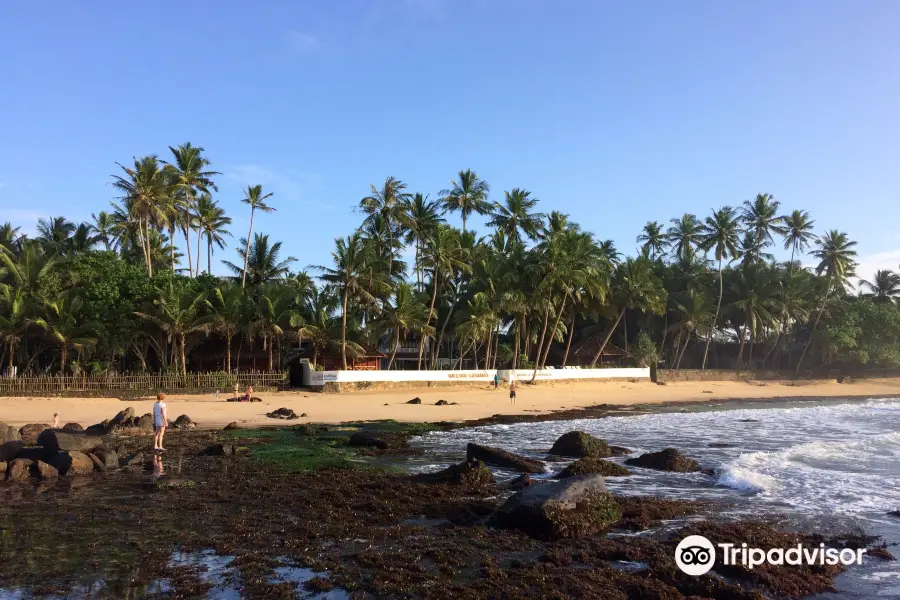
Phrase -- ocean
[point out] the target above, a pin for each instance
(825, 465)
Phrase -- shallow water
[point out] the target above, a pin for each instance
(828, 465)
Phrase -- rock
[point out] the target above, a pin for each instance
(122, 420)
(573, 507)
(218, 450)
(309, 429)
(72, 427)
(19, 469)
(3, 466)
(109, 458)
(10, 450)
(231, 426)
(73, 463)
(619, 451)
(184, 422)
(503, 459)
(135, 460)
(35, 453)
(669, 459)
(748, 421)
(472, 473)
(29, 433)
(415, 400)
(8, 434)
(578, 444)
(303, 416)
(719, 445)
(521, 482)
(98, 429)
(592, 465)
(380, 440)
(145, 423)
(442, 403)
(45, 471)
(894, 513)
(283, 413)
(845, 379)
(98, 464)
(55, 440)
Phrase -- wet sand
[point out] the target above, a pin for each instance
(471, 403)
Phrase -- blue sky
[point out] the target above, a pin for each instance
(614, 112)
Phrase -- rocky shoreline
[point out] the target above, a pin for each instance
(264, 497)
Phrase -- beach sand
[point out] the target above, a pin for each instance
(472, 403)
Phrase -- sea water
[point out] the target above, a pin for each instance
(831, 466)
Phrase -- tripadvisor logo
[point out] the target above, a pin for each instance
(696, 555)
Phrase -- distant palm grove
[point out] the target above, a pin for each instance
(133, 291)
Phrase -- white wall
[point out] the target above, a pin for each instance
(320, 378)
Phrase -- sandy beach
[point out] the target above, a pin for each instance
(470, 403)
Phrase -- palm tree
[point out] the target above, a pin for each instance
(263, 263)
(226, 314)
(836, 260)
(798, 233)
(389, 203)
(761, 218)
(755, 304)
(720, 234)
(443, 256)
(422, 219)
(83, 240)
(54, 234)
(178, 314)
(514, 216)
(28, 270)
(14, 321)
(468, 195)
(10, 237)
(257, 201)
(145, 193)
(349, 275)
(322, 330)
(685, 234)
(104, 229)
(653, 241)
(404, 314)
(65, 325)
(190, 175)
(884, 287)
(212, 223)
(274, 311)
(695, 317)
(636, 287)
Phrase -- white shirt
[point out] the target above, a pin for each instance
(158, 414)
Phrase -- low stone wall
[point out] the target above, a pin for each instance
(381, 386)
(671, 375)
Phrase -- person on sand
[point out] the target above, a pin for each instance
(237, 390)
(512, 392)
(249, 395)
(55, 421)
(160, 420)
(496, 381)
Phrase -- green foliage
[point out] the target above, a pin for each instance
(644, 350)
(862, 333)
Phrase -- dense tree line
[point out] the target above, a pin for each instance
(119, 294)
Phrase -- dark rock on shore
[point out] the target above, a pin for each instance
(571, 508)
(122, 420)
(719, 445)
(218, 450)
(8, 433)
(73, 427)
(309, 429)
(98, 464)
(231, 426)
(283, 413)
(72, 463)
(669, 459)
(894, 513)
(10, 450)
(503, 459)
(138, 460)
(303, 415)
(98, 428)
(19, 469)
(109, 458)
(415, 401)
(442, 403)
(592, 465)
(521, 482)
(620, 451)
(3, 466)
(35, 453)
(382, 441)
(45, 471)
(578, 444)
(145, 423)
(54, 440)
(472, 473)
(184, 423)
(29, 433)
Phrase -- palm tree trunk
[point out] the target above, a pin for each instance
(772, 349)
(12, 357)
(440, 339)
(187, 243)
(815, 326)
(343, 330)
(270, 342)
(740, 357)
(537, 356)
(687, 338)
(209, 255)
(606, 341)
(394, 353)
(244, 284)
(183, 360)
(149, 250)
(62, 360)
(228, 352)
(571, 335)
(428, 319)
(171, 245)
(515, 332)
(199, 238)
(715, 319)
(487, 350)
(555, 329)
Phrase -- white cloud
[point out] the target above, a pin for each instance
(874, 262)
(302, 42)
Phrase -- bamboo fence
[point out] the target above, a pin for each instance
(163, 382)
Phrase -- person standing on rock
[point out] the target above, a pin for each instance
(160, 420)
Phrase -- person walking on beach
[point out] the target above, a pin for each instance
(237, 390)
(496, 381)
(512, 392)
(160, 420)
(55, 421)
